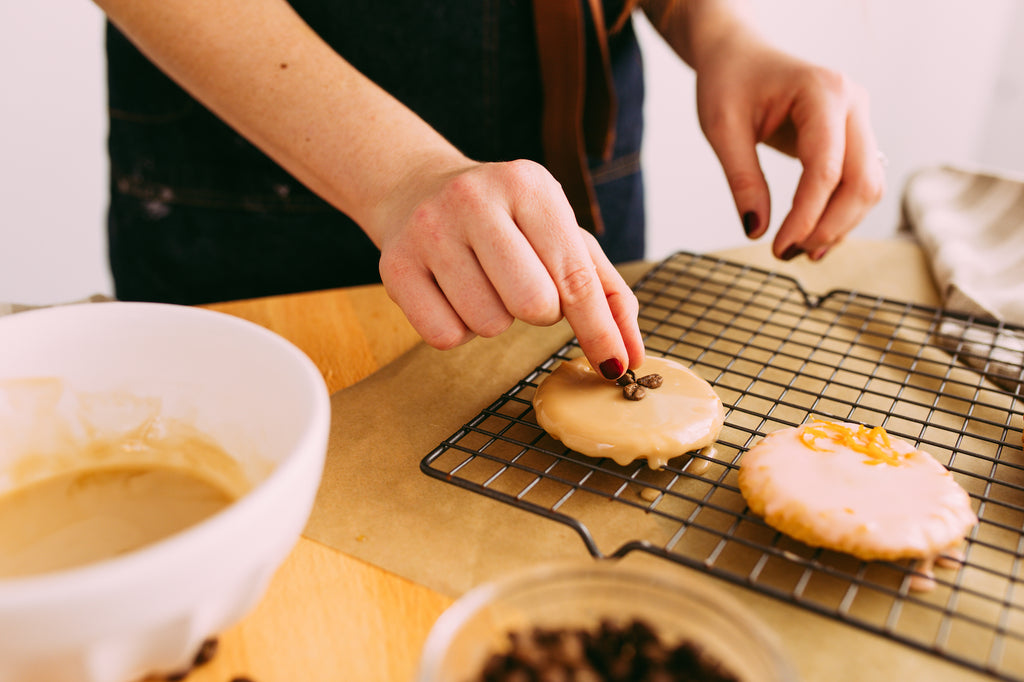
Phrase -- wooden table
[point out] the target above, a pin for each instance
(328, 616)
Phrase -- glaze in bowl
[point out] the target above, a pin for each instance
(148, 611)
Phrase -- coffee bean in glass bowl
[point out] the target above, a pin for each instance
(602, 621)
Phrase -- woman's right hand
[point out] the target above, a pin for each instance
(467, 250)
(467, 247)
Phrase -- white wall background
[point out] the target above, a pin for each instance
(946, 80)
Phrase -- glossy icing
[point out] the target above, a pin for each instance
(856, 490)
(80, 517)
(589, 414)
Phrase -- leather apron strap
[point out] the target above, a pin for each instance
(579, 98)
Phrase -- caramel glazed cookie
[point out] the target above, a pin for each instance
(857, 490)
(600, 418)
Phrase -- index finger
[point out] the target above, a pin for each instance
(595, 300)
(621, 301)
(821, 149)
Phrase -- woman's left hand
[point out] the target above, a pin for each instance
(753, 93)
(749, 93)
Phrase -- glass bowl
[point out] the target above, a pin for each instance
(679, 605)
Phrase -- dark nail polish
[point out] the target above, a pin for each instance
(791, 253)
(611, 368)
(751, 222)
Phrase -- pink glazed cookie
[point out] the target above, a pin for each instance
(853, 489)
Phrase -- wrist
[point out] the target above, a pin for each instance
(394, 204)
(700, 30)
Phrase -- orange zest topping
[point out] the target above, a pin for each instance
(873, 442)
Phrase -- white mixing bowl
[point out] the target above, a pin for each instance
(148, 611)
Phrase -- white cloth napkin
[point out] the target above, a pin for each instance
(970, 223)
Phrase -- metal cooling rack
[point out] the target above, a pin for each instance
(779, 357)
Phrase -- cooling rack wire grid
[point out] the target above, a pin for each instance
(780, 357)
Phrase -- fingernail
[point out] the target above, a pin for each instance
(611, 368)
(820, 253)
(791, 252)
(751, 222)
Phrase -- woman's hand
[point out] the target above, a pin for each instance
(466, 251)
(748, 93)
(466, 247)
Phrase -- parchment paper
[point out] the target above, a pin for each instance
(375, 503)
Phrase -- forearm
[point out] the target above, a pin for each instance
(257, 65)
(697, 29)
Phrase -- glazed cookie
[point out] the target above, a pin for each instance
(658, 420)
(853, 489)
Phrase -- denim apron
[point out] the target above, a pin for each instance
(198, 214)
